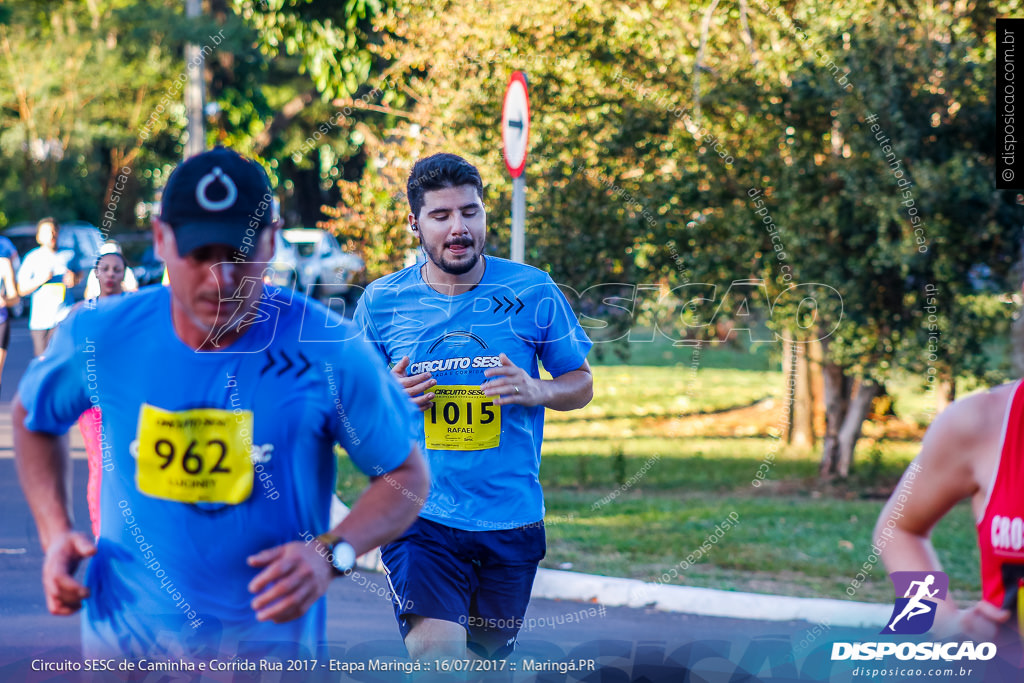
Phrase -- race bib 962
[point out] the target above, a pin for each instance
(195, 456)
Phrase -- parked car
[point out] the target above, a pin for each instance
(323, 263)
(284, 269)
(150, 270)
(82, 238)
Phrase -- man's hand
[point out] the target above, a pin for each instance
(414, 386)
(514, 385)
(64, 595)
(69, 278)
(983, 621)
(294, 578)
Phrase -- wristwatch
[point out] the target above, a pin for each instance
(342, 554)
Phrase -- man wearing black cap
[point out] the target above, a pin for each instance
(217, 434)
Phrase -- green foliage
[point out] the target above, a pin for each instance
(78, 87)
(328, 38)
(893, 210)
(597, 153)
(90, 89)
(371, 216)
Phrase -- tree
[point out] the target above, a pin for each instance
(887, 174)
(317, 61)
(654, 137)
(95, 91)
(77, 96)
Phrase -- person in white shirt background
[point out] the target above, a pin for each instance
(45, 275)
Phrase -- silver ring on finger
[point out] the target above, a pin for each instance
(516, 387)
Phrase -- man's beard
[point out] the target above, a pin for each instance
(451, 267)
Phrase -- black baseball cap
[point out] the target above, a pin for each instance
(217, 197)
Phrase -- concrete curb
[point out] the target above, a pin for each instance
(555, 584)
(609, 591)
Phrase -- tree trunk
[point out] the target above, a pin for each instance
(945, 392)
(803, 401)
(127, 196)
(815, 356)
(837, 399)
(308, 195)
(849, 432)
(788, 369)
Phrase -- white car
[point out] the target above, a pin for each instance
(284, 268)
(323, 269)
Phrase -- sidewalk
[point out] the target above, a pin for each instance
(617, 592)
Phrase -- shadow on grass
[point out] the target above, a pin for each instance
(713, 355)
(570, 418)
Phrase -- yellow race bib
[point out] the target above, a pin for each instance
(461, 418)
(195, 456)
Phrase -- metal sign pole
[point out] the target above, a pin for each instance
(519, 219)
(194, 89)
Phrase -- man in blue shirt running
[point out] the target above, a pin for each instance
(464, 333)
(221, 401)
(9, 263)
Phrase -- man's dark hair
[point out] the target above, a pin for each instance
(438, 172)
(48, 219)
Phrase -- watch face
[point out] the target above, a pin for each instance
(344, 556)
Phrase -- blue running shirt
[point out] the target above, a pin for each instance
(484, 459)
(210, 457)
(8, 251)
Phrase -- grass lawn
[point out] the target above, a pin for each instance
(668, 449)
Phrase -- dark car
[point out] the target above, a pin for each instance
(150, 270)
(83, 239)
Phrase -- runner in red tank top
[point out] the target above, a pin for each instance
(1001, 529)
(964, 455)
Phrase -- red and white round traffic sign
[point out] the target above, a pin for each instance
(515, 124)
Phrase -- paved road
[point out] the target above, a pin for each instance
(625, 644)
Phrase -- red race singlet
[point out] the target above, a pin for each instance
(1001, 527)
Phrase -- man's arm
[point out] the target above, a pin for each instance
(295, 574)
(10, 285)
(71, 278)
(388, 506)
(944, 473)
(28, 280)
(42, 463)
(514, 386)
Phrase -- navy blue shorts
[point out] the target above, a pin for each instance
(479, 579)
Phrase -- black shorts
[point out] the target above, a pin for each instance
(479, 579)
(5, 332)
